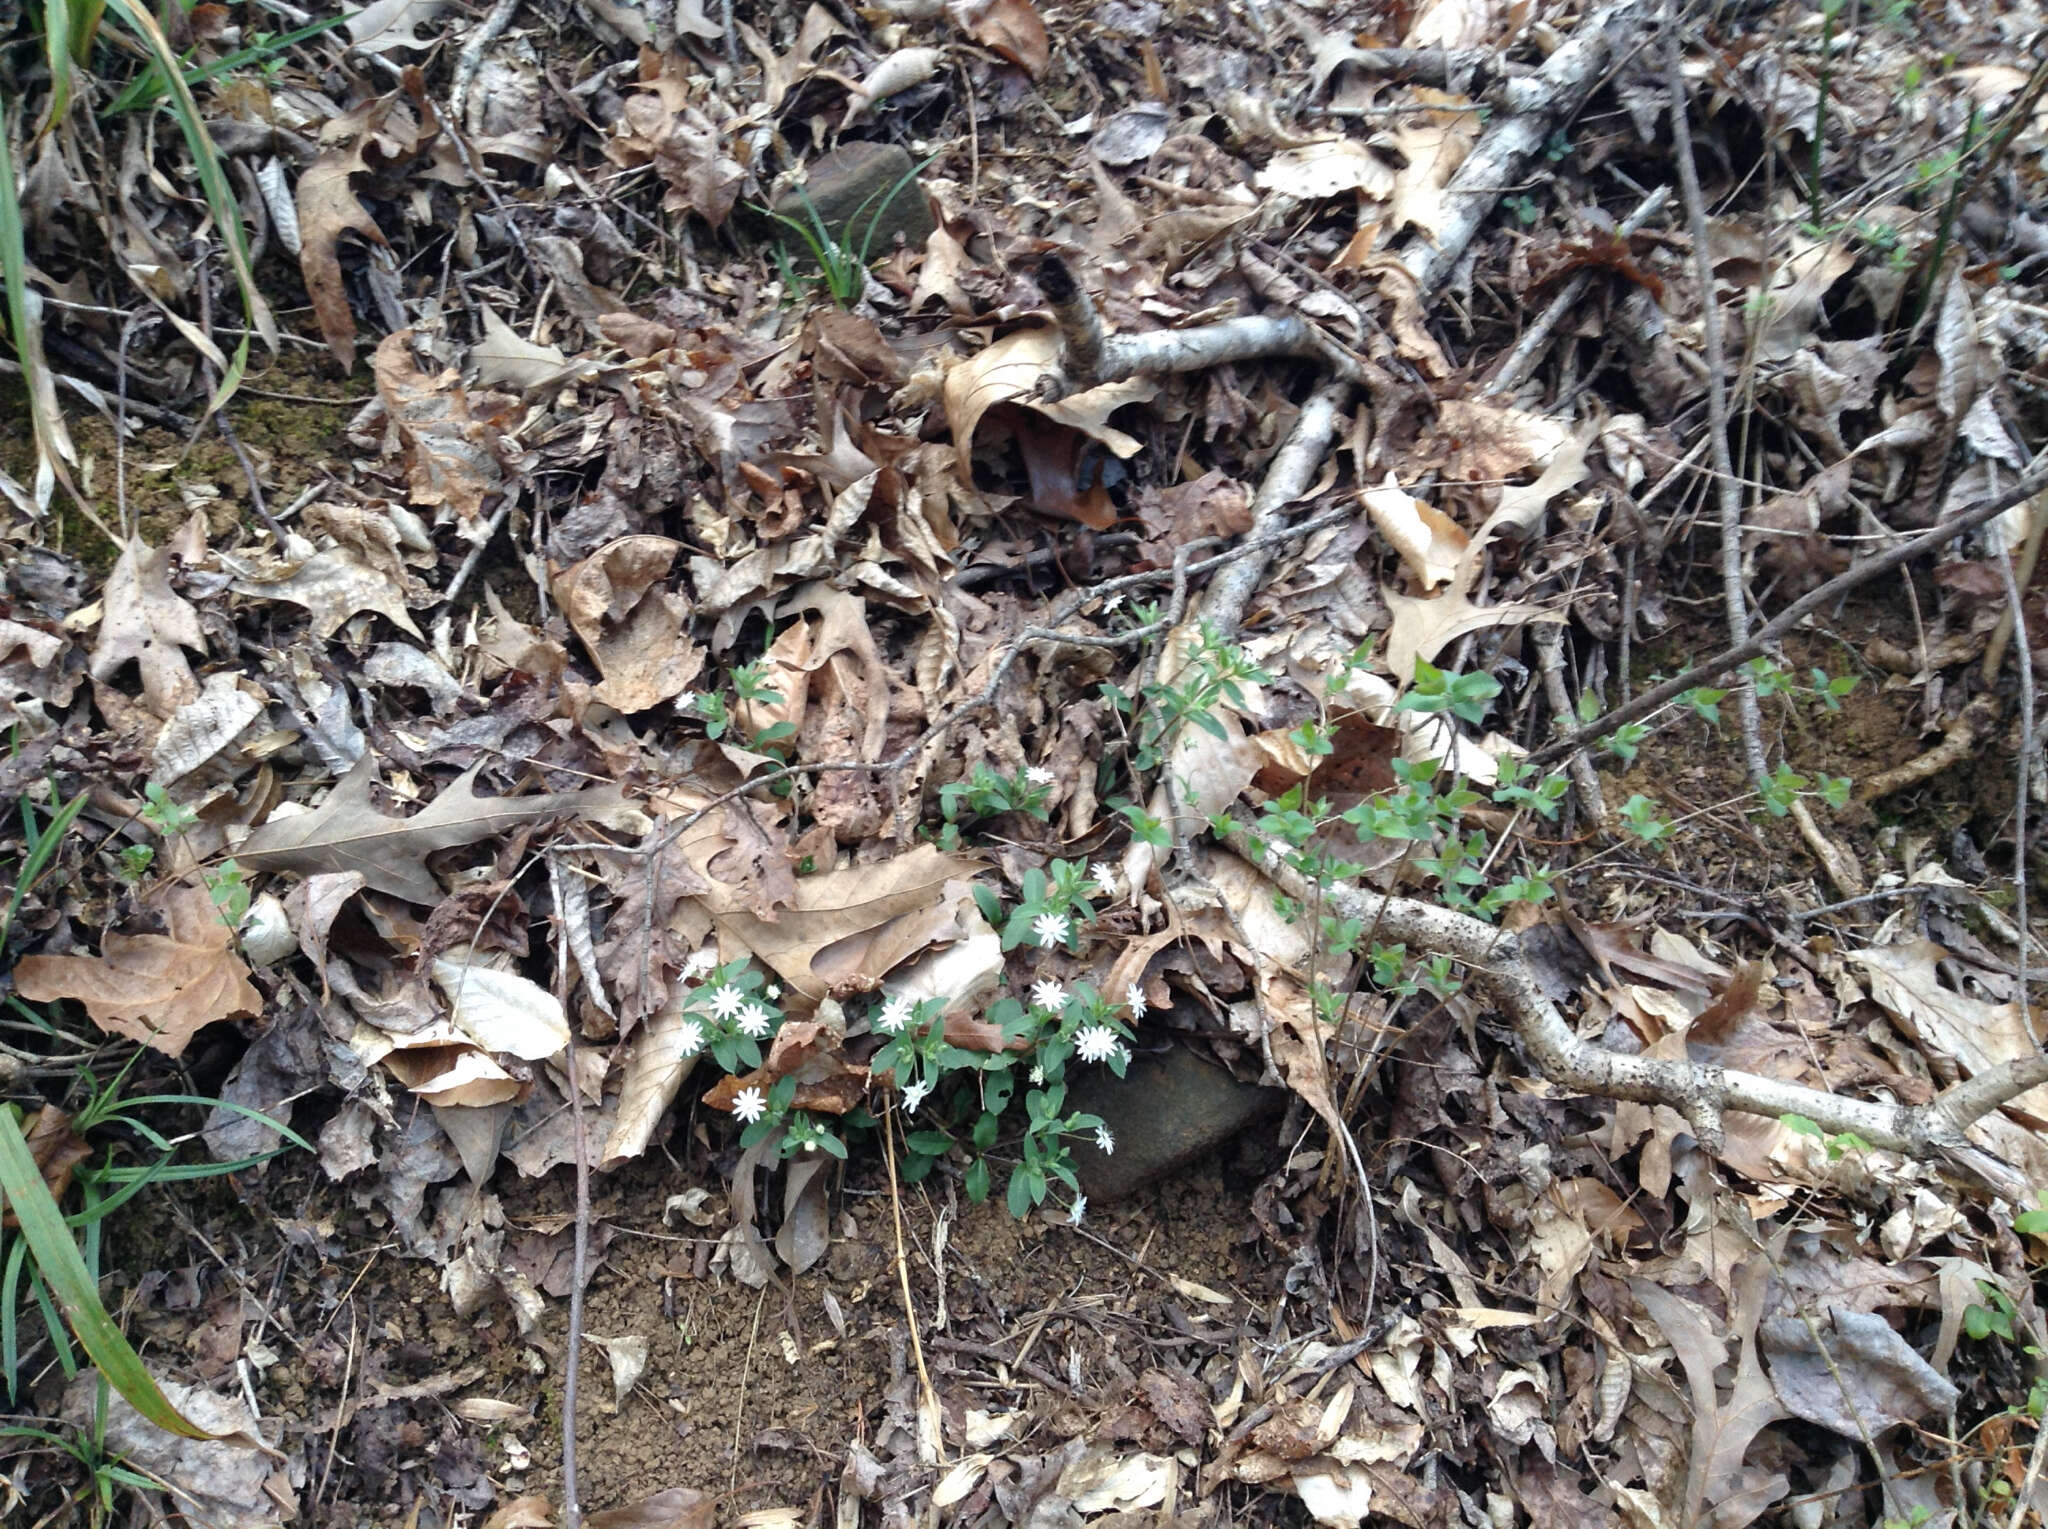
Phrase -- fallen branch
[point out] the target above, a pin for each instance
(1701, 1092)
(1533, 106)
(1091, 357)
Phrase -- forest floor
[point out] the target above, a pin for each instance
(666, 790)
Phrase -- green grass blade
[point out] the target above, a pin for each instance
(57, 32)
(10, 1314)
(213, 177)
(43, 846)
(247, 1110)
(148, 86)
(64, 1271)
(54, 1326)
(25, 324)
(85, 27)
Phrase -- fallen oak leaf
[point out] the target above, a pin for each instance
(347, 833)
(157, 989)
(333, 585)
(148, 621)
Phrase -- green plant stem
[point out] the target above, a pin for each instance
(1945, 229)
(1829, 9)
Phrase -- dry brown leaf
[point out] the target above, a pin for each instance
(633, 629)
(1722, 1430)
(379, 137)
(333, 585)
(1424, 628)
(1430, 148)
(328, 208)
(1452, 24)
(841, 906)
(347, 833)
(149, 622)
(1009, 27)
(1318, 170)
(660, 126)
(1429, 541)
(1951, 1027)
(1012, 370)
(676, 1508)
(532, 1512)
(658, 1059)
(454, 456)
(158, 989)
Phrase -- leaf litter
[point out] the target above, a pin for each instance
(643, 605)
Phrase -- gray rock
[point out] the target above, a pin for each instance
(1168, 1109)
(862, 195)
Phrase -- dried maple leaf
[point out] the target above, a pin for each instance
(157, 989)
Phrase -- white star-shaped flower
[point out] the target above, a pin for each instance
(1050, 994)
(1038, 1075)
(1080, 1209)
(690, 1037)
(1051, 929)
(754, 1021)
(1105, 1141)
(750, 1104)
(1102, 875)
(772, 990)
(1096, 1043)
(1134, 995)
(894, 1014)
(726, 1001)
(700, 962)
(915, 1093)
(1039, 775)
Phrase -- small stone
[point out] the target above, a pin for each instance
(865, 194)
(1168, 1109)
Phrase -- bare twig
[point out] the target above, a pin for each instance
(1532, 107)
(572, 1508)
(1759, 641)
(2023, 659)
(1514, 371)
(471, 59)
(476, 554)
(1550, 659)
(1734, 593)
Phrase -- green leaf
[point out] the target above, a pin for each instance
(64, 1272)
(1018, 1197)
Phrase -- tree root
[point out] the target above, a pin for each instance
(1700, 1092)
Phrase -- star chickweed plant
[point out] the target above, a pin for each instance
(1054, 910)
(971, 1090)
(985, 794)
(730, 1015)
